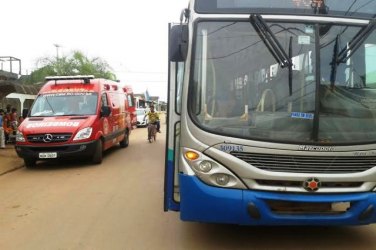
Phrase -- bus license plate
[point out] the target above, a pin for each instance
(48, 155)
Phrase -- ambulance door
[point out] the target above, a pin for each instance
(106, 121)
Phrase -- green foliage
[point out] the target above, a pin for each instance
(75, 64)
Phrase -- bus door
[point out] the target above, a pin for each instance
(177, 53)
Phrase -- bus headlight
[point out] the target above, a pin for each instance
(20, 137)
(84, 133)
(205, 166)
(211, 172)
(222, 179)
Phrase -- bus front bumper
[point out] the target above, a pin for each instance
(204, 203)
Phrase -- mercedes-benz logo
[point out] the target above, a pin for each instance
(47, 138)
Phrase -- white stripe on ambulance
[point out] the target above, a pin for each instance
(52, 124)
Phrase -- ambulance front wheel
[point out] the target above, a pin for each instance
(125, 142)
(98, 153)
(30, 162)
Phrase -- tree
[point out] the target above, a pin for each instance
(76, 64)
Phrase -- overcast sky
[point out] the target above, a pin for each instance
(131, 35)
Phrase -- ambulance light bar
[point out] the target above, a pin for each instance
(86, 78)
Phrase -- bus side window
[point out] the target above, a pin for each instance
(179, 85)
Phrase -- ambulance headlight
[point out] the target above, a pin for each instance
(20, 137)
(84, 133)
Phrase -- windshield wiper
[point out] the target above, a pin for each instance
(290, 67)
(49, 104)
(334, 64)
(356, 42)
(270, 41)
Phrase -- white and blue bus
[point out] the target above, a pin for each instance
(272, 112)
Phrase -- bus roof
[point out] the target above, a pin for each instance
(342, 8)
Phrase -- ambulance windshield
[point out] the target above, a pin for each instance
(65, 104)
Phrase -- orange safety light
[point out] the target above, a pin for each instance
(191, 155)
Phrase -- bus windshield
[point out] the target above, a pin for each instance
(65, 104)
(359, 8)
(239, 89)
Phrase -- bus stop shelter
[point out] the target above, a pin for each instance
(18, 95)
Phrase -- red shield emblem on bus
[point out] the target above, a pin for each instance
(312, 184)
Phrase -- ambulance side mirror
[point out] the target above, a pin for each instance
(25, 112)
(105, 111)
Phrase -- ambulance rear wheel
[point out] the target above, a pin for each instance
(30, 162)
(125, 142)
(98, 153)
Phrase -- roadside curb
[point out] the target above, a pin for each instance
(11, 170)
(9, 160)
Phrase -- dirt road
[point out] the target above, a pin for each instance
(119, 205)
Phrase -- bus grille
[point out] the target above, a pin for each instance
(307, 164)
(48, 138)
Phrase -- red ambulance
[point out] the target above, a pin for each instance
(131, 102)
(74, 117)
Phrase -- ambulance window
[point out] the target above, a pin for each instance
(104, 101)
(130, 100)
(114, 97)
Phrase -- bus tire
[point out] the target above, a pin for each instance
(125, 142)
(30, 162)
(98, 153)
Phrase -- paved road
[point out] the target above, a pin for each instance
(119, 205)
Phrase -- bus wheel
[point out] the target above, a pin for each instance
(98, 153)
(125, 142)
(30, 162)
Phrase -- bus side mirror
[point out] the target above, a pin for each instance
(105, 111)
(178, 43)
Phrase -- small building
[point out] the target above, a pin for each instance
(13, 92)
(143, 101)
(140, 101)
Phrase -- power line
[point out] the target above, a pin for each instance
(143, 81)
(140, 72)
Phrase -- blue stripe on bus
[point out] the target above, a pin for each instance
(171, 203)
(170, 155)
(204, 203)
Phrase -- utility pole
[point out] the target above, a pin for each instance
(57, 50)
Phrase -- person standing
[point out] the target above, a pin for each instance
(8, 115)
(7, 122)
(2, 135)
(14, 119)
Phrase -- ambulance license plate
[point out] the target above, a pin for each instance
(48, 155)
